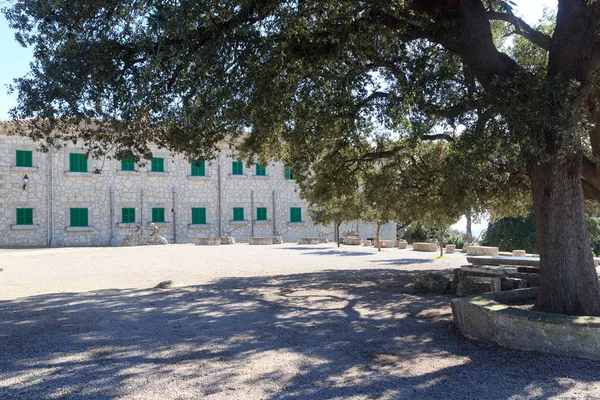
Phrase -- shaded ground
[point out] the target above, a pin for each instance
(337, 333)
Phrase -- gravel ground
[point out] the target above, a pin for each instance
(251, 322)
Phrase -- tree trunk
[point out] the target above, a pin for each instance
(469, 231)
(377, 237)
(568, 280)
(441, 233)
(337, 233)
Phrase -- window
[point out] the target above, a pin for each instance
(198, 168)
(289, 175)
(237, 168)
(79, 217)
(157, 165)
(198, 216)
(78, 162)
(261, 170)
(158, 215)
(238, 213)
(128, 215)
(261, 214)
(127, 164)
(24, 158)
(295, 214)
(24, 216)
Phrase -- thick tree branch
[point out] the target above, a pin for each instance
(522, 28)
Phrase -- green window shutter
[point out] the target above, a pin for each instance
(127, 164)
(295, 214)
(79, 217)
(158, 215)
(157, 164)
(78, 162)
(288, 174)
(24, 158)
(261, 214)
(238, 213)
(237, 168)
(198, 168)
(24, 216)
(261, 170)
(198, 216)
(128, 215)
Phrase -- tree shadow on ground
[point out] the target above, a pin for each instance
(328, 251)
(331, 334)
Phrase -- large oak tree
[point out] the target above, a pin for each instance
(310, 79)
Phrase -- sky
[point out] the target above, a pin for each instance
(15, 63)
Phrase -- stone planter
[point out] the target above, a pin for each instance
(450, 248)
(402, 244)
(309, 240)
(227, 240)
(425, 246)
(486, 318)
(352, 241)
(208, 242)
(481, 251)
(135, 240)
(260, 241)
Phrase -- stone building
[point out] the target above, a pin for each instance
(55, 199)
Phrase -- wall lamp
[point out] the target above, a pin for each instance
(25, 181)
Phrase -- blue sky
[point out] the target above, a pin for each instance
(16, 59)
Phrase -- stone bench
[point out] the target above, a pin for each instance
(309, 240)
(149, 240)
(208, 242)
(425, 246)
(481, 251)
(261, 241)
(366, 242)
(402, 244)
(450, 248)
(385, 243)
(227, 240)
(352, 240)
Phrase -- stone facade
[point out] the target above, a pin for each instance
(52, 191)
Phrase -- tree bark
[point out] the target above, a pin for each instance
(568, 280)
(469, 230)
(337, 233)
(377, 237)
(441, 233)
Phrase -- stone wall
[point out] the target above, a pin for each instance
(52, 191)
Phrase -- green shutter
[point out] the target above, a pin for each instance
(24, 216)
(79, 217)
(24, 158)
(295, 214)
(127, 164)
(198, 168)
(261, 170)
(238, 213)
(237, 168)
(198, 216)
(157, 165)
(261, 214)
(128, 215)
(78, 162)
(288, 174)
(158, 215)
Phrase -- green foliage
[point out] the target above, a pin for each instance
(452, 236)
(512, 233)
(416, 232)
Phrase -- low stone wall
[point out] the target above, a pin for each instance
(486, 319)
(208, 242)
(136, 240)
(481, 251)
(425, 246)
(352, 240)
(385, 243)
(309, 240)
(261, 241)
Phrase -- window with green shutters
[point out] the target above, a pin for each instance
(238, 213)
(288, 174)
(198, 216)
(127, 164)
(24, 216)
(198, 168)
(261, 170)
(295, 214)
(79, 217)
(237, 168)
(261, 214)
(78, 162)
(157, 164)
(128, 215)
(24, 158)
(158, 215)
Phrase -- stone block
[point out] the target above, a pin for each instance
(277, 239)
(519, 253)
(482, 251)
(385, 243)
(472, 285)
(498, 270)
(402, 244)
(150, 240)
(450, 248)
(367, 242)
(261, 241)
(434, 283)
(512, 283)
(227, 240)
(208, 242)
(309, 240)
(425, 246)
(352, 240)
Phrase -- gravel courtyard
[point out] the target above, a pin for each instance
(251, 322)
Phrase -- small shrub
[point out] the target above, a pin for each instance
(416, 232)
(455, 237)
